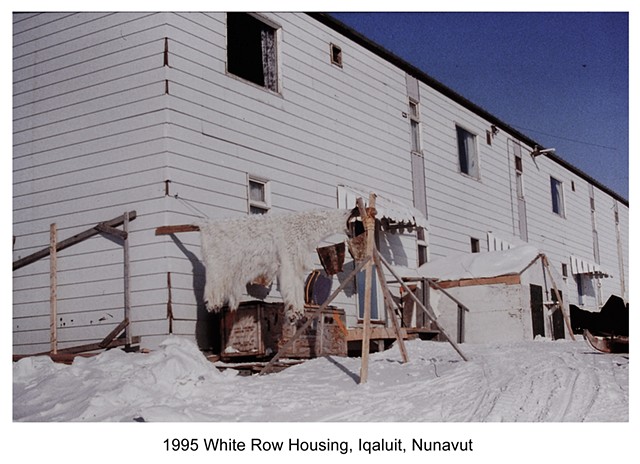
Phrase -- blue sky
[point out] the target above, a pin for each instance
(560, 78)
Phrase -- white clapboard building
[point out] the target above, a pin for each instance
(186, 116)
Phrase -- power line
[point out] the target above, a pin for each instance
(566, 138)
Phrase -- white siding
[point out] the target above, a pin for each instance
(327, 126)
(100, 123)
(88, 132)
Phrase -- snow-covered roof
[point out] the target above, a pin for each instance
(386, 207)
(476, 265)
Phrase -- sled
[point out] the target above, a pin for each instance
(607, 343)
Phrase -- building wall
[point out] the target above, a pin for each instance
(124, 111)
(462, 207)
(88, 145)
(326, 126)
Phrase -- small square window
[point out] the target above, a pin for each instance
(565, 270)
(467, 152)
(259, 196)
(475, 245)
(336, 55)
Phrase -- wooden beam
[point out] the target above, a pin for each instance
(388, 300)
(70, 241)
(111, 231)
(512, 279)
(168, 230)
(53, 287)
(376, 333)
(545, 262)
(428, 312)
(127, 277)
(314, 316)
(369, 218)
(77, 350)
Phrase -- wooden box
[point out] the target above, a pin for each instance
(259, 330)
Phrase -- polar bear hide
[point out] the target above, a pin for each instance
(240, 250)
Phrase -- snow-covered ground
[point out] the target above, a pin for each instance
(527, 381)
(536, 381)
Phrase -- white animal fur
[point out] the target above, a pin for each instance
(237, 251)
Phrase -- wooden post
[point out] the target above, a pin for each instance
(317, 313)
(127, 288)
(53, 282)
(389, 305)
(369, 218)
(545, 262)
(421, 306)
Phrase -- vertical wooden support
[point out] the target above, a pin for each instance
(314, 316)
(127, 288)
(53, 281)
(545, 262)
(369, 218)
(389, 305)
(428, 311)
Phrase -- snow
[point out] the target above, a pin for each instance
(535, 381)
(528, 381)
(476, 265)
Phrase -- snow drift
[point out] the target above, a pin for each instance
(535, 381)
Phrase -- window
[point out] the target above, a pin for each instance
(423, 252)
(336, 55)
(557, 198)
(259, 196)
(475, 245)
(467, 153)
(414, 118)
(360, 284)
(251, 50)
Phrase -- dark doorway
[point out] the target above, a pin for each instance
(537, 310)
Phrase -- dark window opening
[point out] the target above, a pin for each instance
(467, 154)
(475, 245)
(251, 50)
(336, 55)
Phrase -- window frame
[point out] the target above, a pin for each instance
(557, 196)
(335, 60)
(469, 157)
(275, 28)
(264, 205)
(414, 126)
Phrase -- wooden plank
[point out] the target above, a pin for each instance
(376, 333)
(316, 314)
(114, 333)
(127, 278)
(429, 311)
(77, 350)
(70, 241)
(513, 279)
(369, 219)
(53, 282)
(168, 230)
(111, 231)
(545, 261)
(388, 300)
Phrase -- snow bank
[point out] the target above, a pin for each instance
(535, 381)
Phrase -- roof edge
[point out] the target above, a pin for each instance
(401, 63)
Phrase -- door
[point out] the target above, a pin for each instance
(537, 310)
(557, 320)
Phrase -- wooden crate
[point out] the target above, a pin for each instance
(259, 330)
